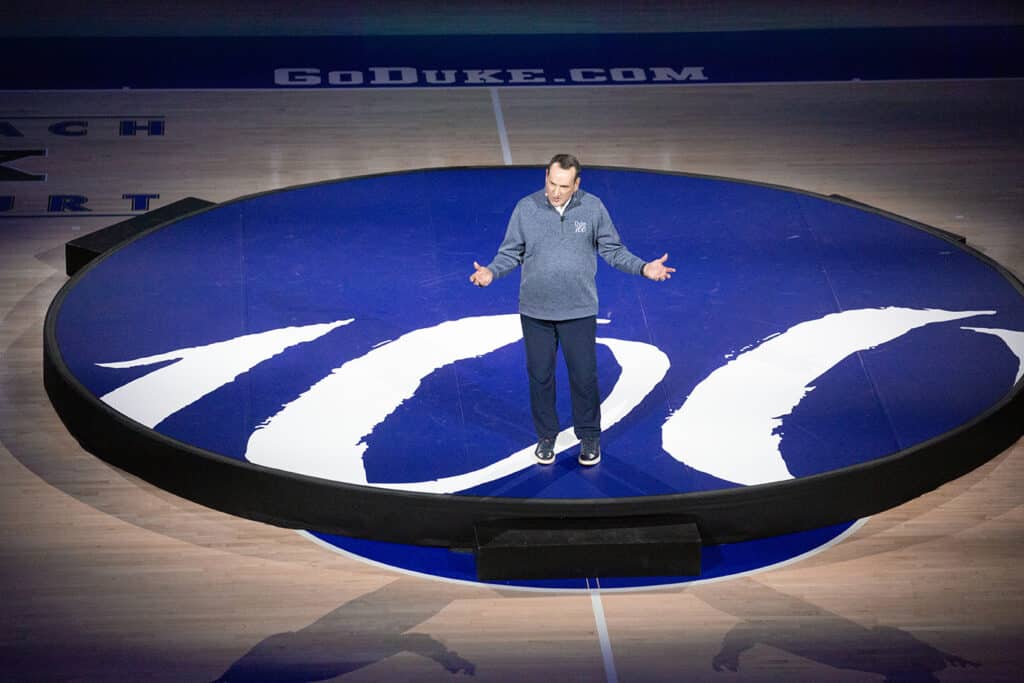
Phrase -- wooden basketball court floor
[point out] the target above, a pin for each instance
(107, 578)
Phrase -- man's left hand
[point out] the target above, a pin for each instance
(657, 270)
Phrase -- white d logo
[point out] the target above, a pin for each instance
(726, 427)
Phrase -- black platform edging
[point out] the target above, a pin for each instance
(731, 515)
(560, 549)
(723, 516)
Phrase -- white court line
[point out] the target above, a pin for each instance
(595, 592)
(602, 632)
(506, 152)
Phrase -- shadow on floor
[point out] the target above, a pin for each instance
(787, 623)
(357, 634)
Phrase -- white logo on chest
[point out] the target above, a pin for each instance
(581, 226)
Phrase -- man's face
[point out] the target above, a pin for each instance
(560, 185)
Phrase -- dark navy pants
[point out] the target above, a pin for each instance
(579, 348)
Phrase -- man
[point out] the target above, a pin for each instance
(555, 233)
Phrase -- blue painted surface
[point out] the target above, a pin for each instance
(394, 252)
(513, 60)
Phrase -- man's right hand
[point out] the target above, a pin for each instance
(482, 275)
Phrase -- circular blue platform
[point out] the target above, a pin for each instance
(316, 357)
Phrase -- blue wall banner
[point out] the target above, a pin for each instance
(87, 63)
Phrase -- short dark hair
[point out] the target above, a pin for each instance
(566, 161)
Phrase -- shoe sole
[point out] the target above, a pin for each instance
(590, 463)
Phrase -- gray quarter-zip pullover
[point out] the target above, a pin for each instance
(559, 255)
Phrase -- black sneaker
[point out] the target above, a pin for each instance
(545, 452)
(590, 451)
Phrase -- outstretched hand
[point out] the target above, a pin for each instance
(657, 270)
(482, 275)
